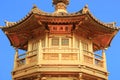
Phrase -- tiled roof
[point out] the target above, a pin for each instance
(84, 11)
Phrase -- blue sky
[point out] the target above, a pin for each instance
(14, 10)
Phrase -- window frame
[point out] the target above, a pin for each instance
(53, 42)
(85, 46)
(64, 41)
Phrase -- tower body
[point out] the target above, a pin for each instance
(60, 45)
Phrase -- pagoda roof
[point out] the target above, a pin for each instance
(35, 23)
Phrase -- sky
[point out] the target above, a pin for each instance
(14, 10)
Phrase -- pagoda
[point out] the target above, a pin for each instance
(60, 45)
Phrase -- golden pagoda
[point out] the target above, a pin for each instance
(60, 45)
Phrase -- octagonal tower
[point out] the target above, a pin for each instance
(60, 45)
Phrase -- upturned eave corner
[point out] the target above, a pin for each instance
(1, 27)
(114, 34)
(86, 11)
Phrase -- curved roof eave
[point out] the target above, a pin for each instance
(112, 38)
(11, 24)
(86, 11)
(109, 25)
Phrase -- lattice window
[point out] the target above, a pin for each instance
(77, 43)
(55, 41)
(85, 46)
(65, 42)
(43, 43)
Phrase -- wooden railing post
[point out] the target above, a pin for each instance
(15, 58)
(104, 59)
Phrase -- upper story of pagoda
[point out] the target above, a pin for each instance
(82, 23)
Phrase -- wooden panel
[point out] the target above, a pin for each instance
(88, 59)
(50, 56)
(69, 56)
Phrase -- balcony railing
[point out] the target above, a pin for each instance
(88, 53)
(91, 58)
(22, 56)
(63, 50)
(32, 53)
(98, 56)
(98, 60)
(30, 56)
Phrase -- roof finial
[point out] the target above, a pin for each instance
(34, 6)
(85, 9)
(60, 5)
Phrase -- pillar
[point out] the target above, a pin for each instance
(60, 42)
(81, 53)
(104, 59)
(70, 42)
(73, 40)
(15, 58)
(40, 54)
(46, 40)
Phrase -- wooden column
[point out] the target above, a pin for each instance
(81, 53)
(60, 42)
(73, 42)
(40, 54)
(104, 59)
(15, 58)
(46, 40)
(70, 43)
(27, 53)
